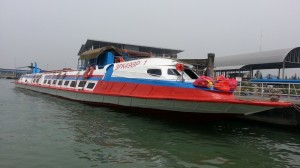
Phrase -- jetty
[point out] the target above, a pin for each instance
(253, 85)
(12, 73)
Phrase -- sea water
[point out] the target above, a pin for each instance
(38, 130)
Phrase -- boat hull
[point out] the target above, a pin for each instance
(149, 103)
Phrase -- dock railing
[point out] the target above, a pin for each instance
(274, 91)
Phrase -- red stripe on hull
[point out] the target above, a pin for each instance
(184, 94)
(164, 92)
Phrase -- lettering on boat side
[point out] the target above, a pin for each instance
(127, 65)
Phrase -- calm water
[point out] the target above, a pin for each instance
(39, 130)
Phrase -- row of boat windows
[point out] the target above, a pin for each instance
(157, 72)
(81, 84)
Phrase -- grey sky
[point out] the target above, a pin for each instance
(52, 31)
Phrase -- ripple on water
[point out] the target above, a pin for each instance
(39, 130)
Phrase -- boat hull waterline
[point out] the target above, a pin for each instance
(161, 104)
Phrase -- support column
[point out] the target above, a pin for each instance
(251, 74)
(283, 66)
(211, 64)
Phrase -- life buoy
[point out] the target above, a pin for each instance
(119, 59)
(88, 73)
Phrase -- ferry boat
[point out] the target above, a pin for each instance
(111, 77)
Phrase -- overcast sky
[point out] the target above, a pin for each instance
(52, 31)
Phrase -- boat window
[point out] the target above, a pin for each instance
(73, 84)
(37, 81)
(54, 82)
(173, 72)
(49, 82)
(60, 82)
(45, 81)
(90, 85)
(154, 72)
(81, 83)
(190, 73)
(33, 80)
(66, 83)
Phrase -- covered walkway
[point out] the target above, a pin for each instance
(274, 59)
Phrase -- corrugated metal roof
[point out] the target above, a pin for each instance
(253, 58)
(260, 60)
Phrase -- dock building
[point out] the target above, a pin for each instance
(153, 51)
(91, 52)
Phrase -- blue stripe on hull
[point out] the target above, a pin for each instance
(153, 82)
(177, 84)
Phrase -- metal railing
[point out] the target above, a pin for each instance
(274, 91)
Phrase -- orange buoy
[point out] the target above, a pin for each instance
(88, 73)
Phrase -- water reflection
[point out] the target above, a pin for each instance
(107, 137)
(119, 137)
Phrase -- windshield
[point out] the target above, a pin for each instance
(190, 74)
